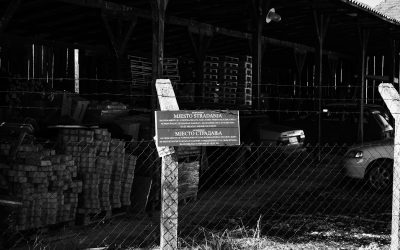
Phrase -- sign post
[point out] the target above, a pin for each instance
(197, 128)
(392, 100)
(184, 128)
(169, 175)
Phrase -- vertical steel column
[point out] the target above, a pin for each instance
(200, 47)
(364, 33)
(260, 7)
(321, 23)
(158, 14)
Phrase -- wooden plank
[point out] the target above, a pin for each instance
(392, 100)
(169, 175)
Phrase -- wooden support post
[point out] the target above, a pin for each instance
(373, 81)
(392, 101)
(119, 40)
(392, 60)
(364, 36)
(300, 58)
(321, 24)
(76, 70)
(260, 8)
(200, 46)
(158, 19)
(8, 14)
(169, 175)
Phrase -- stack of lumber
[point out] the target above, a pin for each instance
(102, 140)
(127, 179)
(211, 89)
(171, 70)
(228, 80)
(117, 153)
(45, 183)
(141, 70)
(80, 144)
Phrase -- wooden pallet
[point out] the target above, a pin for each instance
(230, 59)
(210, 71)
(229, 71)
(211, 64)
(212, 58)
(230, 83)
(230, 77)
(210, 77)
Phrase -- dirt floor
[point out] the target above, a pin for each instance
(302, 206)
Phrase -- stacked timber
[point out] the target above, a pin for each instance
(211, 87)
(228, 80)
(245, 83)
(45, 184)
(102, 140)
(171, 70)
(117, 153)
(127, 179)
(141, 70)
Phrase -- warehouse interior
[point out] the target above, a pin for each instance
(83, 72)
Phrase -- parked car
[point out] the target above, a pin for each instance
(265, 146)
(259, 129)
(371, 162)
(340, 124)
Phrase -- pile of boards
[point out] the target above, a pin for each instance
(45, 183)
(90, 174)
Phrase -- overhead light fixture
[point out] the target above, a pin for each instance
(273, 16)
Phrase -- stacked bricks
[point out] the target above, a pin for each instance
(42, 180)
(117, 152)
(171, 70)
(127, 179)
(211, 88)
(228, 80)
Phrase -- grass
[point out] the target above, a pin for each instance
(243, 237)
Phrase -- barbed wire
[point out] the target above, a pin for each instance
(204, 83)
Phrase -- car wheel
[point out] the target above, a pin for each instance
(380, 176)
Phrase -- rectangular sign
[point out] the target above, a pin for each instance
(197, 128)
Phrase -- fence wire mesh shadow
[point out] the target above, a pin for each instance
(246, 196)
(271, 192)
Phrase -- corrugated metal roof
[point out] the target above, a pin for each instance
(376, 12)
(390, 8)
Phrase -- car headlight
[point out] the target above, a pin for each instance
(356, 154)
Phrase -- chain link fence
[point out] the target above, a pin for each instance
(244, 197)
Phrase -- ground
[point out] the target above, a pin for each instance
(302, 205)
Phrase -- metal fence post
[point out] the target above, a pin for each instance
(392, 100)
(169, 175)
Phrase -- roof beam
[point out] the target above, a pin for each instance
(128, 11)
(7, 38)
(8, 14)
